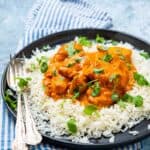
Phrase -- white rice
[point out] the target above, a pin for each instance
(51, 117)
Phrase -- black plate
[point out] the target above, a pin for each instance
(65, 36)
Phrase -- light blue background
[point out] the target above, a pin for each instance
(130, 16)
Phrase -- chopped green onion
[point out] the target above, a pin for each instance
(113, 42)
(84, 41)
(42, 59)
(141, 79)
(122, 57)
(113, 77)
(127, 98)
(96, 89)
(76, 93)
(90, 109)
(78, 60)
(146, 55)
(10, 99)
(115, 97)
(54, 73)
(71, 64)
(43, 63)
(32, 67)
(71, 50)
(43, 67)
(138, 101)
(128, 65)
(98, 70)
(100, 39)
(45, 47)
(22, 82)
(122, 104)
(72, 127)
(107, 58)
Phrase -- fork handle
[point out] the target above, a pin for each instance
(32, 137)
(18, 143)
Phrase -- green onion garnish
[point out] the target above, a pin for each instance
(127, 98)
(84, 41)
(32, 67)
(96, 89)
(43, 63)
(23, 82)
(90, 109)
(122, 104)
(78, 60)
(138, 101)
(122, 57)
(71, 64)
(54, 73)
(113, 42)
(146, 55)
(71, 50)
(42, 59)
(100, 39)
(10, 99)
(72, 127)
(98, 70)
(113, 77)
(107, 58)
(43, 67)
(115, 97)
(45, 48)
(76, 93)
(140, 79)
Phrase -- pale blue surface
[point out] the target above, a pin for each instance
(131, 16)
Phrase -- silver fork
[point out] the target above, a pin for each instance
(18, 142)
(28, 133)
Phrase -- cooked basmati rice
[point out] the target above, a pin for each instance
(51, 116)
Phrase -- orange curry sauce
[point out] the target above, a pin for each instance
(69, 74)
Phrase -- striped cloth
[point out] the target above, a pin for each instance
(48, 16)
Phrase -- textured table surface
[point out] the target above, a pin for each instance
(130, 16)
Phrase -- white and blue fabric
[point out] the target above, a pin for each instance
(49, 16)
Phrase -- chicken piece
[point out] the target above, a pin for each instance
(102, 100)
(79, 83)
(61, 54)
(56, 86)
(67, 72)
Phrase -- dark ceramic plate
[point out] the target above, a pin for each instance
(65, 36)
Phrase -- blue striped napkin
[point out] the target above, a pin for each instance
(49, 16)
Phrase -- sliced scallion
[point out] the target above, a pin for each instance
(146, 55)
(140, 79)
(98, 70)
(100, 39)
(107, 58)
(96, 89)
(89, 109)
(84, 41)
(72, 127)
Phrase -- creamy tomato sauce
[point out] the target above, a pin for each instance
(89, 77)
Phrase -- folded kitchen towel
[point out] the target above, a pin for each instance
(49, 16)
